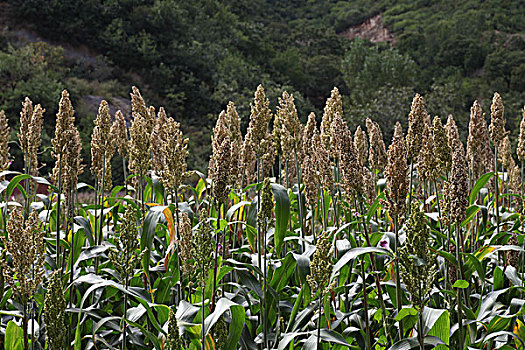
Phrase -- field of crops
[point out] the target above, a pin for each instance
(299, 237)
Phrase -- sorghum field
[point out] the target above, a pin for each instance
(299, 237)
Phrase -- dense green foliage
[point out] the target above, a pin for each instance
(192, 56)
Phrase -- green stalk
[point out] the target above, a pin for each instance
(496, 204)
(203, 285)
(125, 174)
(459, 294)
(410, 189)
(180, 292)
(301, 220)
(102, 190)
(398, 279)
(365, 304)
(124, 331)
(319, 319)
(378, 283)
(58, 209)
(421, 337)
(265, 291)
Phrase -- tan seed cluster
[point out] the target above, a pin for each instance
(377, 155)
(31, 120)
(478, 142)
(333, 106)
(321, 264)
(361, 145)
(219, 168)
(102, 146)
(396, 172)
(427, 163)
(417, 118)
(25, 243)
(497, 119)
(4, 142)
(442, 150)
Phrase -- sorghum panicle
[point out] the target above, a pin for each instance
(377, 155)
(119, 132)
(102, 146)
(55, 312)
(418, 275)
(125, 255)
(202, 246)
(234, 123)
(361, 145)
(458, 190)
(265, 209)
(427, 163)
(139, 146)
(416, 122)
(396, 173)
(521, 140)
(452, 133)
(4, 142)
(321, 264)
(219, 168)
(184, 242)
(334, 105)
(497, 120)
(442, 150)
(25, 243)
(173, 341)
(505, 153)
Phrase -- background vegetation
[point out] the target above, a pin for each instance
(192, 56)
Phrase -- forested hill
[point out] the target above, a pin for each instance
(192, 57)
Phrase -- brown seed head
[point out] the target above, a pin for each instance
(259, 120)
(416, 122)
(102, 146)
(442, 150)
(4, 142)
(361, 145)
(119, 132)
(25, 243)
(236, 143)
(458, 186)
(505, 152)
(427, 163)
(396, 172)
(452, 134)
(521, 141)
(219, 169)
(377, 154)
(334, 105)
(497, 119)
(477, 141)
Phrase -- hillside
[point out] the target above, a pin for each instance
(193, 57)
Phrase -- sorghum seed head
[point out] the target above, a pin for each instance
(521, 141)
(442, 150)
(321, 264)
(55, 312)
(361, 145)
(497, 119)
(334, 105)
(416, 122)
(396, 172)
(377, 154)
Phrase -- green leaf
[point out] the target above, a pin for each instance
(404, 312)
(282, 215)
(236, 325)
(15, 181)
(437, 323)
(462, 284)
(470, 213)
(14, 337)
(482, 181)
(354, 253)
(283, 273)
(413, 343)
